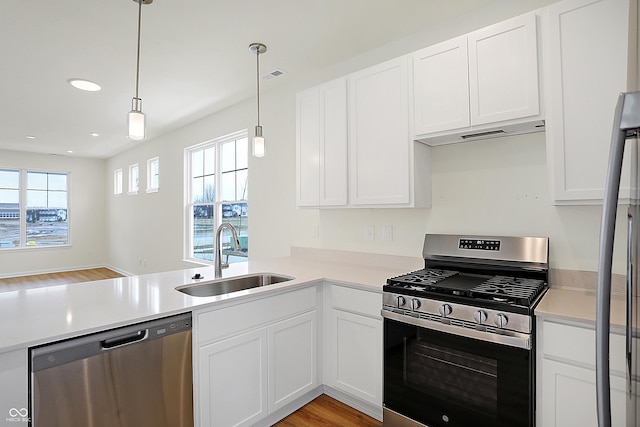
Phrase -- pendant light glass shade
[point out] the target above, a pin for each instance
(137, 128)
(257, 148)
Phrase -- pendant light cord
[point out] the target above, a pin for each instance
(138, 56)
(258, 80)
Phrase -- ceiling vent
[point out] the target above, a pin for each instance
(273, 74)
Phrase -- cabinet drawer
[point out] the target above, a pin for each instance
(578, 344)
(214, 324)
(356, 300)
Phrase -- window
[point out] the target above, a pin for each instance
(117, 181)
(217, 175)
(133, 179)
(33, 208)
(153, 175)
(9, 208)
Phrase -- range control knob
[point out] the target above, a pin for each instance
(400, 300)
(500, 320)
(445, 310)
(480, 316)
(415, 303)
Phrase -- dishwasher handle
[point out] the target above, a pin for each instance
(123, 340)
(85, 346)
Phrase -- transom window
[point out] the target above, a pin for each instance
(33, 208)
(217, 179)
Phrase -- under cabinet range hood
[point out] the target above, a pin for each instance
(466, 134)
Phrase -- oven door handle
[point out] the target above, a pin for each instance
(514, 339)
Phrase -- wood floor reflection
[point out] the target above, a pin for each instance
(52, 279)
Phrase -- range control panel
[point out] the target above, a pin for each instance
(479, 244)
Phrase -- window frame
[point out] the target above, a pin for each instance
(23, 207)
(134, 179)
(117, 182)
(153, 185)
(217, 204)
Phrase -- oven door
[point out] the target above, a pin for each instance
(443, 379)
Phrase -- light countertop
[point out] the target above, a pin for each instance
(36, 316)
(579, 305)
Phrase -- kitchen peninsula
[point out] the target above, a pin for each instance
(344, 285)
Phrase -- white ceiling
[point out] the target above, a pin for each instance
(194, 59)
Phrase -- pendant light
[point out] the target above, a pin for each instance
(137, 128)
(257, 148)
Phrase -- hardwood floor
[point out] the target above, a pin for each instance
(52, 279)
(325, 411)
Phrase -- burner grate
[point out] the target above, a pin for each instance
(421, 278)
(519, 290)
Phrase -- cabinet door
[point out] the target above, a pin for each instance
(308, 147)
(503, 71)
(585, 57)
(321, 139)
(569, 397)
(379, 162)
(441, 87)
(333, 143)
(292, 359)
(355, 355)
(233, 380)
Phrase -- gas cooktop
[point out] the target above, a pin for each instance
(520, 291)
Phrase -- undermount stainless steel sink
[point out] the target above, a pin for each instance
(232, 284)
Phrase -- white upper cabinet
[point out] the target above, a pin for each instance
(379, 134)
(586, 47)
(354, 145)
(503, 71)
(441, 79)
(322, 145)
(482, 84)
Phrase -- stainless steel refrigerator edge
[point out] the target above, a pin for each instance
(625, 128)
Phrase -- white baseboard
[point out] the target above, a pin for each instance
(365, 407)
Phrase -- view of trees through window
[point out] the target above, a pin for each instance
(218, 173)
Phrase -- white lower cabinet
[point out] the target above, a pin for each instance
(353, 343)
(253, 358)
(233, 380)
(569, 396)
(292, 359)
(566, 378)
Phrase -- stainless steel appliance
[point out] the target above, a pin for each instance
(139, 375)
(459, 334)
(626, 127)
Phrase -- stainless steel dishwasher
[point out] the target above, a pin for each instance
(138, 375)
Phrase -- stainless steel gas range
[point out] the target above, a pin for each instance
(459, 334)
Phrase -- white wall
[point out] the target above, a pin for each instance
(486, 187)
(86, 216)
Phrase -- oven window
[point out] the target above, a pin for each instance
(453, 374)
(445, 380)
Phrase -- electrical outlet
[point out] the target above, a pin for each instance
(315, 231)
(387, 232)
(371, 232)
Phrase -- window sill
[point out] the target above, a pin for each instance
(152, 190)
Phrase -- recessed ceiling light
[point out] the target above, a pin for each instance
(30, 137)
(94, 134)
(84, 85)
(70, 151)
